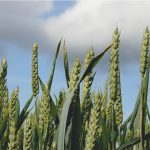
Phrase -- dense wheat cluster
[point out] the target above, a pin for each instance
(78, 118)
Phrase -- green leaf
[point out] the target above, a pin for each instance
(94, 62)
(53, 67)
(26, 106)
(134, 113)
(63, 121)
(125, 122)
(148, 112)
(68, 136)
(66, 65)
(41, 84)
(21, 120)
(113, 133)
(3, 124)
(69, 97)
(105, 133)
(17, 112)
(35, 137)
(40, 136)
(76, 124)
(24, 113)
(123, 136)
(136, 108)
(144, 94)
(133, 142)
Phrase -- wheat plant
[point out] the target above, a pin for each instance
(80, 117)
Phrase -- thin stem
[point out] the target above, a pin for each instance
(113, 130)
(36, 111)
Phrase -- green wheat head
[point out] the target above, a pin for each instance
(61, 99)
(35, 81)
(86, 94)
(5, 101)
(115, 87)
(20, 138)
(114, 66)
(144, 52)
(75, 74)
(28, 134)
(12, 124)
(3, 73)
(93, 124)
(109, 110)
(45, 109)
(119, 113)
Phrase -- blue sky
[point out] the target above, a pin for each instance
(82, 24)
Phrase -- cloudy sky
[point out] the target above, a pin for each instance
(82, 23)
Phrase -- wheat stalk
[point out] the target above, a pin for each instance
(104, 100)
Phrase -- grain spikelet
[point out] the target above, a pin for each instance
(3, 73)
(28, 135)
(35, 81)
(45, 109)
(144, 52)
(86, 94)
(61, 99)
(75, 74)
(12, 124)
(93, 124)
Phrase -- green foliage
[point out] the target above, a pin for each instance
(76, 121)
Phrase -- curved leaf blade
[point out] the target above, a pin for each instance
(65, 109)
(66, 65)
(53, 67)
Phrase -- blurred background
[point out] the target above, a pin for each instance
(82, 24)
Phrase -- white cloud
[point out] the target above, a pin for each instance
(91, 23)
(22, 23)
(88, 23)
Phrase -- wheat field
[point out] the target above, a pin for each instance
(79, 118)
